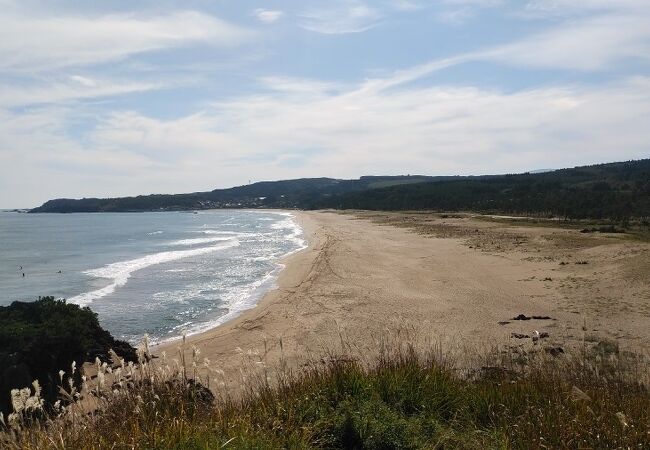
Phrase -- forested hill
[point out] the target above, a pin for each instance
(615, 191)
(300, 193)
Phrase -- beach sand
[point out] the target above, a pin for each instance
(458, 279)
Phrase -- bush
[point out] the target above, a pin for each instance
(38, 339)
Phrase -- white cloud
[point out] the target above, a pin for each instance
(343, 131)
(300, 86)
(52, 144)
(406, 5)
(358, 131)
(563, 8)
(84, 81)
(267, 15)
(76, 87)
(458, 12)
(29, 42)
(590, 44)
(341, 18)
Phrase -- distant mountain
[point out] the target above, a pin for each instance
(615, 191)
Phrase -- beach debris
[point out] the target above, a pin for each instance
(535, 336)
(525, 317)
(503, 322)
(519, 336)
(554, 351)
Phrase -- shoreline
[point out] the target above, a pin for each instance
(453, 281)
(287, 271)
(275, 280)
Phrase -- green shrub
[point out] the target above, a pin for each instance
(38, 339)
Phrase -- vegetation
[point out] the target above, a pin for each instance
(403, 399)
(40, 338)
(616, 191)
(268, 194)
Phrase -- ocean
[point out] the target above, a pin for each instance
(161, 273)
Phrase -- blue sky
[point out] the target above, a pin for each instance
(135, 97)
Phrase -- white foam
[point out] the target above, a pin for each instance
(243, 298)
(199, 241)
(120, 272)
(236, 301)
(296, 234)
(155, 232)
(224, 233)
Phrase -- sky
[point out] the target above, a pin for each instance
(116, 98)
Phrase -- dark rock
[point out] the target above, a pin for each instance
(525, 317)
(519, 336)
(554, 351)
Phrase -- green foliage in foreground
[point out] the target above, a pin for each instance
(38, 339)
(403, 401)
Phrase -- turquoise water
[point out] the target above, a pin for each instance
(163, 273)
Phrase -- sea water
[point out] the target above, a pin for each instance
(161, 273)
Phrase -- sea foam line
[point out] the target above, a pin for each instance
(120, 272)
(246, 297)
(198, 241)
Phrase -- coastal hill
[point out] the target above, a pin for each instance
(300, 193)
(616, 191)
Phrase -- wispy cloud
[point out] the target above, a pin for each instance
(564, 8)
(108, 102)
(406, 5)
(591, 44)
(75, 87)
(268, 15)
(30, 43)
(436, 129)
(341, 18)
(595, 43)
(458, 12)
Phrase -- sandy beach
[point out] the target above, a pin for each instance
(459, 279)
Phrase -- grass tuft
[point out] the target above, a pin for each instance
(401, 399)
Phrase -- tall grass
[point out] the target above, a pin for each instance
(400, 398)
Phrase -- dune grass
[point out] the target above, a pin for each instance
(400, 399)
